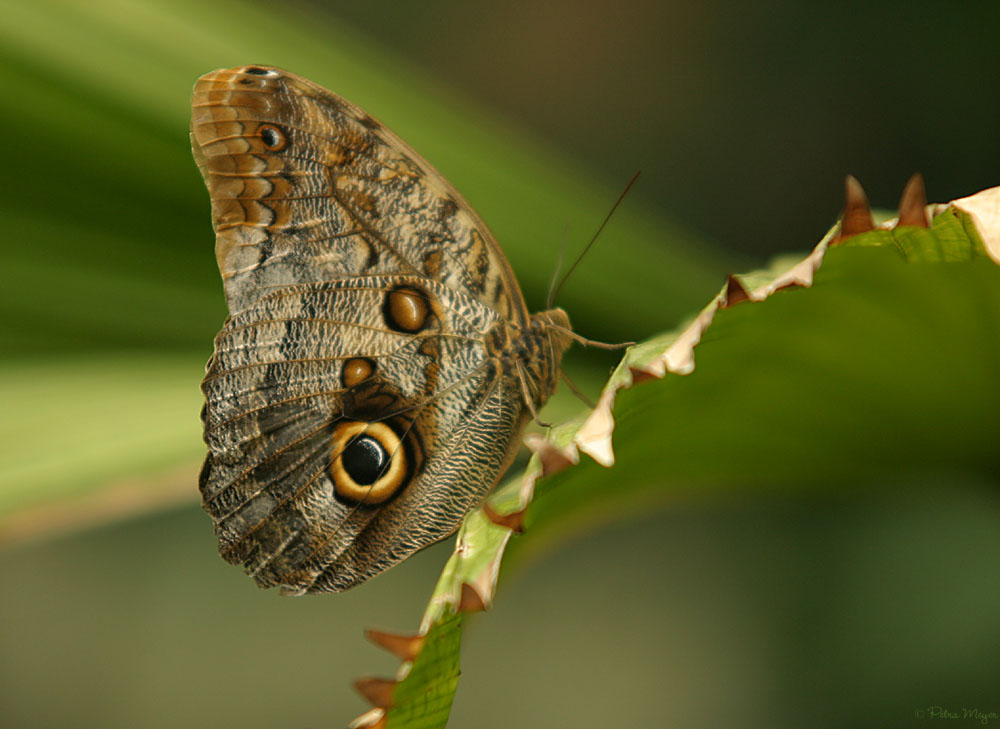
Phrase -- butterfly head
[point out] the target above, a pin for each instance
(555, 322)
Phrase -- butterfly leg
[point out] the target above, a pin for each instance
(528, 398)
(589, 342)
(576, 391)
(601, 345)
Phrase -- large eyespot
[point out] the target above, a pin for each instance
(272, 137)
(405, 310)
(369, 462)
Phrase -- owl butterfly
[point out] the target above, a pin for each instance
(378, 364)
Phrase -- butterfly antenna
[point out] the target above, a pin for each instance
(550, 299)
(592, 240)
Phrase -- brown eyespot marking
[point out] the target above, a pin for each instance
(356, 370)
(369, 462)
(405, 310)
(272, 137)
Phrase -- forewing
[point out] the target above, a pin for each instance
(305, 187)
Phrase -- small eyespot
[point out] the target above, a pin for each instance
(257, 71)
(369, 462)
(272, 137)
(356, 370)
(405, 310)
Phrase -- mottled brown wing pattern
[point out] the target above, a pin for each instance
(369, 386)
(305, 186)
(275, 391)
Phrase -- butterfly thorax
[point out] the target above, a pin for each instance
(536, 350)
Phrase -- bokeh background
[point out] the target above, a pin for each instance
(857, 607)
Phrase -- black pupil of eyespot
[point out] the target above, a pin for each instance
(269, 136)
(364, 460)
(257, 71)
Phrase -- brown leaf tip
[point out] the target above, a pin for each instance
(913, 203)
(513, 521)
(735, 293)
(404, 647)
(553, 459)
(857, 217)
(378, 691)
(471, 601)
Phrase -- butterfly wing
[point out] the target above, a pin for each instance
(305, 186)
(369, 307)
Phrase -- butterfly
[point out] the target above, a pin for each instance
(378, 363)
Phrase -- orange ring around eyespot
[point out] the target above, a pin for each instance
(388, 483)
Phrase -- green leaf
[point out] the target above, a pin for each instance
(96, 424)
(886, 366)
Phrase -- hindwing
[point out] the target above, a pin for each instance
(281, 382)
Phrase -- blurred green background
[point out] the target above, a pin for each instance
(837, 609)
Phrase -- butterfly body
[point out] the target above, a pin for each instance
(371, 382)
